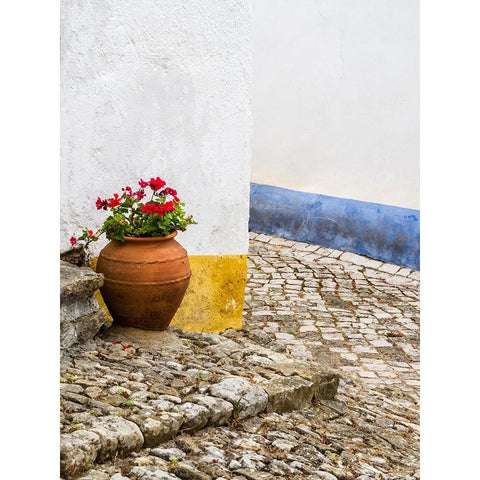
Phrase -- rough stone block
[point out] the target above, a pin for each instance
(288, 393)
(247, 399)
(159, 428)
(117, 437)
(145, 473)
(195, 417)
(98, 475)
(254, 475)
(325, 381)
(186, 472)
(81, 317)
(77, 451)
(219, 411)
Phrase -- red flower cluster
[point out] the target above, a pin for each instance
(131, 218)
(101, 204)
(154, 183)
(114, 202)
(159, 209)
(138, 195)
(169, 191)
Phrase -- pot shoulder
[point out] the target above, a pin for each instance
(160, 255)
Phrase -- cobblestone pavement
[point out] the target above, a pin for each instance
(358, 314)
(151, 408)
(354, 313)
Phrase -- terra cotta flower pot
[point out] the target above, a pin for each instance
(145, 280)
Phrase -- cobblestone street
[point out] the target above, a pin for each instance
(256, 404)
(359, 315)
(351, 312)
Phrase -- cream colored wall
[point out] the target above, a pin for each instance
(335, 98)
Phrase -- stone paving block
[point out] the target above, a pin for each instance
(335, 253)
(77, 450)
(159, 428)
(348, 257)
(95, 474)
(149, 473)
(415, 275)
(288, 393)
(247, 399)
(195, 417)
(187, 472)
(117, 437)
(325, 382)
(333, 336)
(219, 410)
(254, 475)
(405, 272)
(263, 238)
(281, 241)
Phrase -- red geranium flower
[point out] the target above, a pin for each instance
(168, 207)
(115, 201)
(139, 194)
(101, 204)
(130, 216)
(148, 208)
(158, 208)
(170, 191)
(156, 183)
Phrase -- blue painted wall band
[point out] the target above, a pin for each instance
(382, 232)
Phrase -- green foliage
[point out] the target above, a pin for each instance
(150, 225)
(159, 216)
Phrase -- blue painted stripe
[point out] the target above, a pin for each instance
(383, 232)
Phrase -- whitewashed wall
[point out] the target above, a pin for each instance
(335, 98)
(153, 88)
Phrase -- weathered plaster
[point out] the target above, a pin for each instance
(384, 232)
(154, 88)
(215, 295)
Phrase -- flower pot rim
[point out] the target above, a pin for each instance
(151, 239)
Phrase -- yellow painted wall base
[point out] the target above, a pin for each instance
(215, 294)
(100, 301)
(98, 295)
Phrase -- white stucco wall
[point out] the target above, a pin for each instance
(335, 98)
(163, 89)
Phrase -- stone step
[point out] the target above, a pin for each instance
(268, 381)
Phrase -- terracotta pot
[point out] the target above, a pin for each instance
(145, 280)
